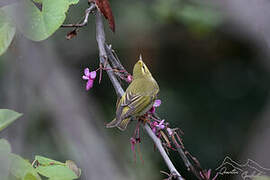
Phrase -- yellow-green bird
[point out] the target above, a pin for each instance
(138, 98)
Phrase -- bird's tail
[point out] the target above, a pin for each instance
(121, 125)
(113, 123)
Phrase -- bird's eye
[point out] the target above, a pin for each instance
(143, 69)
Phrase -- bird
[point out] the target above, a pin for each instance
(138, 98)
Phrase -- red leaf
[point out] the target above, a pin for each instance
(105, 9)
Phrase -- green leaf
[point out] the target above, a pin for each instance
(22, 169)
(7, 117)
(261, 178)
(43, 161)
(73, 1)
(56, 172)
(4, 159)
(38, 24)
(7, 30)
(37, 1)
(4, 146)
(30, 176)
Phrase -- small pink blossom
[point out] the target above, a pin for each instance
(157, 126)
(129, 78)
(153, 126)
(156, 104)
(161, 125)
(170, 132)
(90, 77)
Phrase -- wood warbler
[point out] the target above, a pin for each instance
(138, 98)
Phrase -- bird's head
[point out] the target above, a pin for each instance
(140, 70)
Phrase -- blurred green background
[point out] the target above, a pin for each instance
(213, 77)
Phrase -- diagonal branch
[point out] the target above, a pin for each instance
(163, 153)
(85, 21)
(181, 152)
(100, 37)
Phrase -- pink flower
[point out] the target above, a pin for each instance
(129, 78)
(153, 126)
(90, 77)
(170, 132)
(157, 103)
(161, 125)
(157, 126)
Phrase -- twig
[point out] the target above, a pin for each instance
(163, 153)
(181, 152)
(115, 62)
(195, 169)
(100, 37)
(183, 156)
(85, 21)
(114, 59)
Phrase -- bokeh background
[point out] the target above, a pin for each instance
(211, 60)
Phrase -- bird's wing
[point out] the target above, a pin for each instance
(133, 105)
(128, 106)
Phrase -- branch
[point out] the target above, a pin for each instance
(120, 71)
(100, 37)
(181, 152)
(86, 16)
(163, 153)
